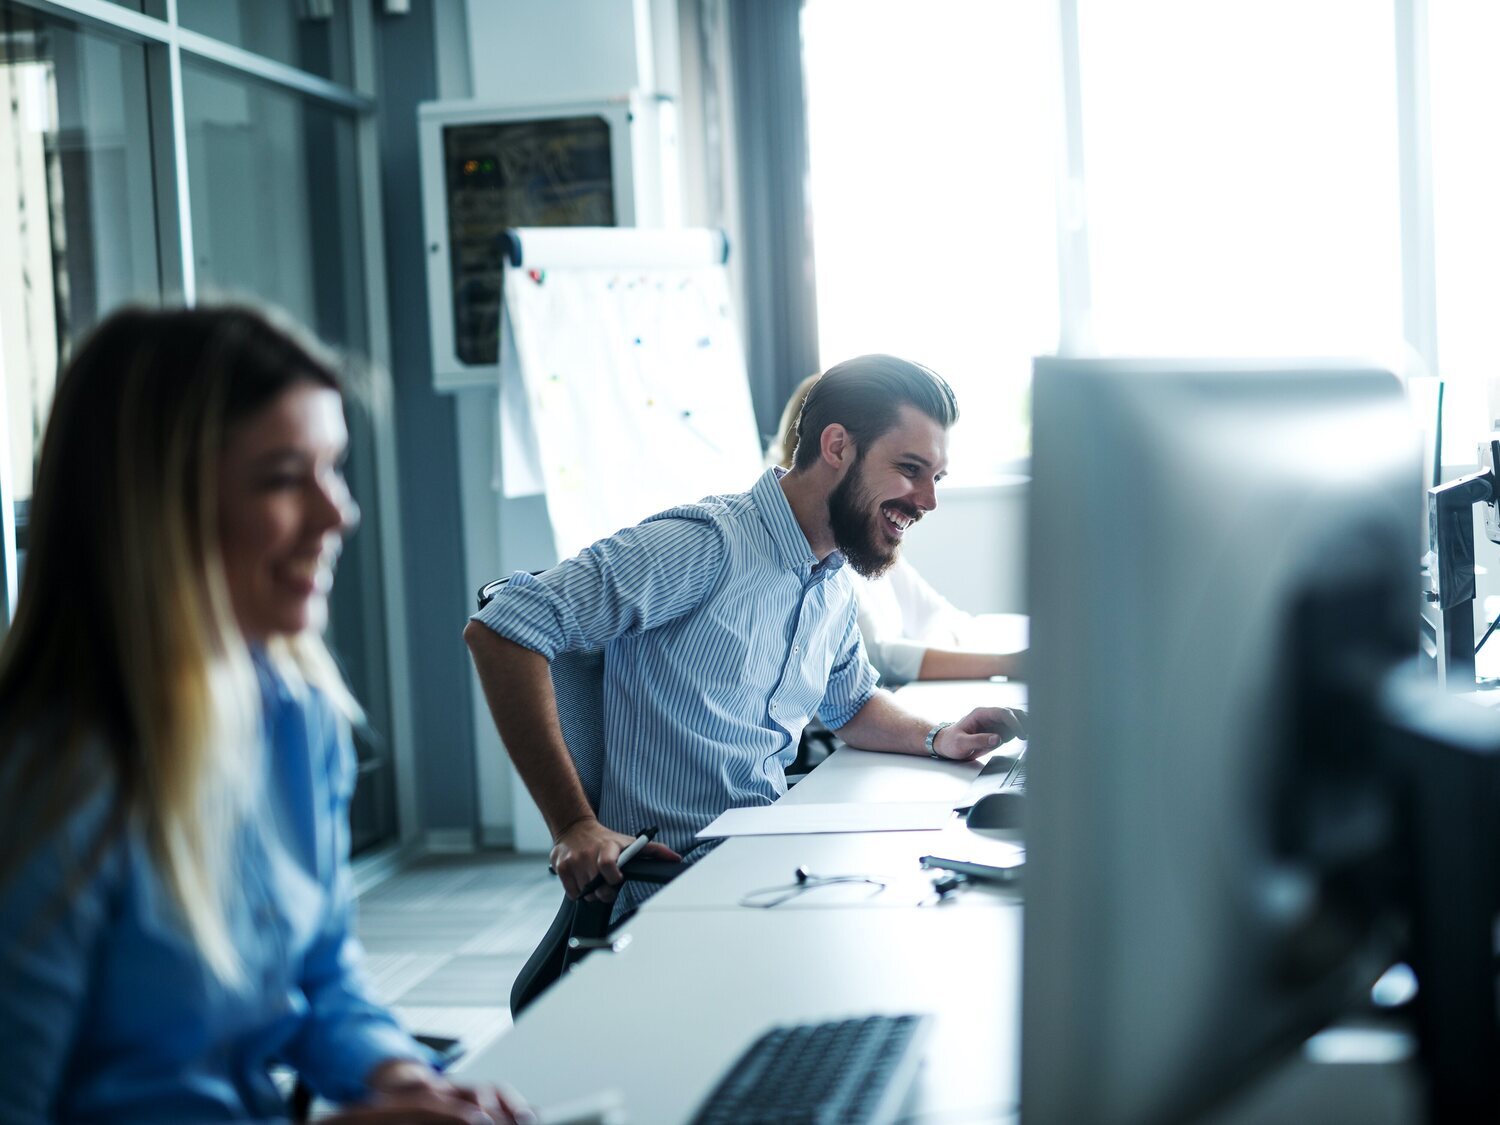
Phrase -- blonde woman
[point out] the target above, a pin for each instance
(910, 631)
(175, 763)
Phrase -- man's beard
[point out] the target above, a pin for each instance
(857, 525)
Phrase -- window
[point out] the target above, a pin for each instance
(89, 173)
(931, 138)
(1234, 173)
(310, 36)
(274, 205)
(1241, 180)
(76, 192)
(276, 217)
(1463, 38)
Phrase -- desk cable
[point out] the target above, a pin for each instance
(804, 880)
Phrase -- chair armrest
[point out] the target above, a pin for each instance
(643, 869)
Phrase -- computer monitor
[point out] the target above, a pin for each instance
(1221, 574)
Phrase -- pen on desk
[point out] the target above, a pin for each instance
(632, 849)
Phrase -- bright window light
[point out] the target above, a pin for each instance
(1241, 174)
(1463, 38)
(932, 132)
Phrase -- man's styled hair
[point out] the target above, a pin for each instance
(864, 395)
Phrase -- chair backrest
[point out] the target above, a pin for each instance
(578, 684)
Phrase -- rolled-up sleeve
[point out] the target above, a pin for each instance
(851, 681)
(346, 1031)
(639, 579)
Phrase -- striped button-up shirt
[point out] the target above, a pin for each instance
(723, 635)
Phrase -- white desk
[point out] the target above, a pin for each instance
(750, 863)
(662, 1020)
(702, 976)
(860, 775)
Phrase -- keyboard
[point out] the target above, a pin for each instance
(1012, 766)
(855, 1070)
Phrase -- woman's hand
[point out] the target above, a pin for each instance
(407, 1092)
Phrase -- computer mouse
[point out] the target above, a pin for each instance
(1005, 809)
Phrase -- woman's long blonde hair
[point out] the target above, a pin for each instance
(784, 448)
(124, 641)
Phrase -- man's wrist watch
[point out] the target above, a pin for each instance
(931, 742)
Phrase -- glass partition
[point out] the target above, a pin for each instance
(311, 36)
(276, 218)
(77, 193)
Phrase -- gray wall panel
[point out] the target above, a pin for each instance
(437, 595)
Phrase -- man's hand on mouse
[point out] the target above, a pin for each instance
(979, 732)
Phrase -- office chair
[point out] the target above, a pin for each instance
(578, 927)
(816, 744)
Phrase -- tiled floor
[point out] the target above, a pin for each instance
(445, 938)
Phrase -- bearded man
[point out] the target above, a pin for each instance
(726, 625)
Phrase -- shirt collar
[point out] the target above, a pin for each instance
(776, 513)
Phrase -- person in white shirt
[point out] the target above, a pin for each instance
(911, 632)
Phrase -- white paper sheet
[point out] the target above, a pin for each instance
(798, 820)
(521, 461)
